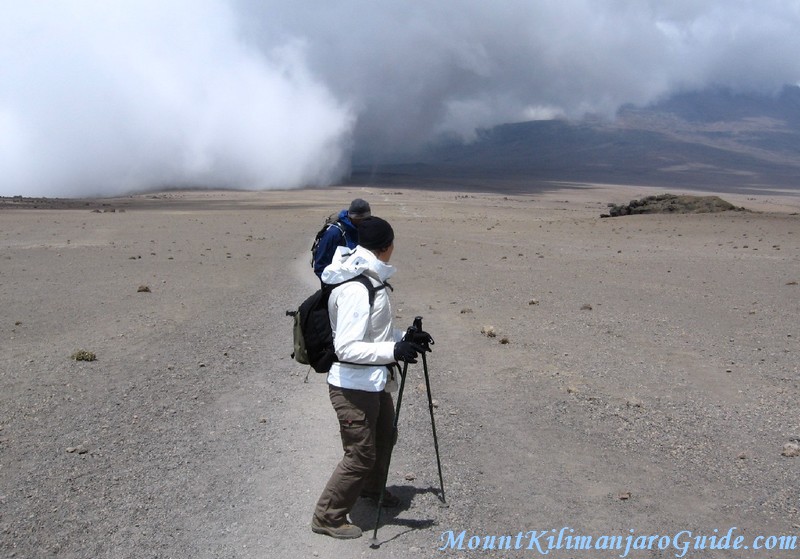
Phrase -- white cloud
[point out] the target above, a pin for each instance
(102, 97)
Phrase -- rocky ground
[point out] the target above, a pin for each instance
(672, 203)
(613, 377)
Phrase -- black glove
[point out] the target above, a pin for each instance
(420, 337)
(407, 351)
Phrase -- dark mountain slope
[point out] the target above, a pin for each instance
(703, 140)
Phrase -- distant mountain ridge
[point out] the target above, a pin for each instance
(713, 139)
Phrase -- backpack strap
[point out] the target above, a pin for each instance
(340, 227)
(371, 290)
(366, 282)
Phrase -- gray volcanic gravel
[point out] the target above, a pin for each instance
(642, 377)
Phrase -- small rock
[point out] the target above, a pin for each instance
(410, 477)
(488, 331)
(624, 496)
(790, 450)
(586, 307)
(80, 449)
(83, 355)
(143, 289)
(504, 340)
(533, 302)
(466, 311)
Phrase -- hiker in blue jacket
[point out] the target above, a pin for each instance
(344, 232)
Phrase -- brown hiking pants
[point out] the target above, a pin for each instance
(366, 424)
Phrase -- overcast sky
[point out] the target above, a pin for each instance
(108, 96)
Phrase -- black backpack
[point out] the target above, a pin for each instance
(313, 337)
(330, 221)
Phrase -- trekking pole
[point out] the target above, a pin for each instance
(418, 325)
(374, 540)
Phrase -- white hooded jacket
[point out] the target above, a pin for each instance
(363, 337)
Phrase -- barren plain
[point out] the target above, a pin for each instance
(631, 376)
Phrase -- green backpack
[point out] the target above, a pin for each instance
(312, 333)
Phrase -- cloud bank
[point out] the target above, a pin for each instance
(109, 97)
(103, 99)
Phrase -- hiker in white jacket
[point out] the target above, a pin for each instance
(367, 346)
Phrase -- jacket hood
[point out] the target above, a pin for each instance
(348, 263)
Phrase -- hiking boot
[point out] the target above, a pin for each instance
(342, 532)
(389, 501)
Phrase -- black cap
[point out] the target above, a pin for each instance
(359, 209)
(375, 233)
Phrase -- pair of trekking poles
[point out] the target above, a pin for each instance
(414, 328)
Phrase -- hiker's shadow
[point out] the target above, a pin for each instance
(365, 512)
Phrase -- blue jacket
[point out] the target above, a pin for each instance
(332, 239)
